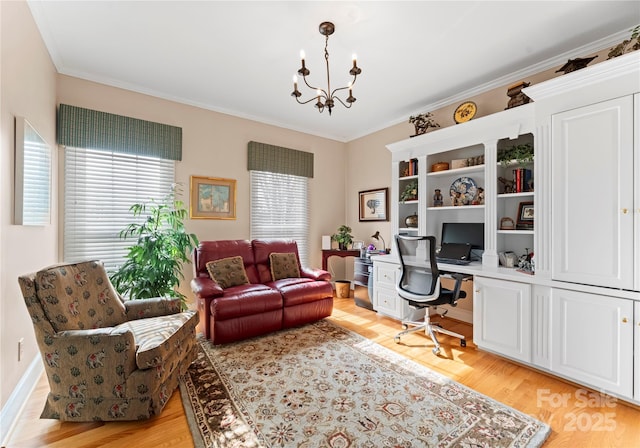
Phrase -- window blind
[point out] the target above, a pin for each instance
(36, 187)
(280, 209)
(100, 187)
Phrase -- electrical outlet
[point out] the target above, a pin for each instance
(20, 349)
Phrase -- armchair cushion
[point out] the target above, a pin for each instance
(284, 265)
(228, 272)
(79, 296)
(157, 338)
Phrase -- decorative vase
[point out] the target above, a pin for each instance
(342, 246)
(411, 220)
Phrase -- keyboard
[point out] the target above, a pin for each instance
(452, 261)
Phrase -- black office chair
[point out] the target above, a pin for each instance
(419, 284)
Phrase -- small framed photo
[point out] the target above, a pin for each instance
(525, 216)
(212, 198)
(374, 205)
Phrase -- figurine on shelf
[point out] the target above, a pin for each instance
(437, 198)
(479, 198)
(457, 199)
(423, 122)
(508, 185)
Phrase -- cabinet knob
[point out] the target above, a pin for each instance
(625, 211)
(624, 320)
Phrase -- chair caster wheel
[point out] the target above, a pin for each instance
(463, 343)
(436, 350)
(405, 326)
(397, 339)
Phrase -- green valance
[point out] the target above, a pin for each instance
(91, 129)
(276, 159)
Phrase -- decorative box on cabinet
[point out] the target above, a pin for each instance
(502, 317)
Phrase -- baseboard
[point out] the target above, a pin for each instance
(12, 408)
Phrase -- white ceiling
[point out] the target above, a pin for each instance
(238, 57)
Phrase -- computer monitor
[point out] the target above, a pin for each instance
(465, 232)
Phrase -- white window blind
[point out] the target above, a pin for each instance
(100, 187)
(280, 209)
(36, 188)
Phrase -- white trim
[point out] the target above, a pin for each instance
(18, 399)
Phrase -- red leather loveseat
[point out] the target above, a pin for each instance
(261, 304)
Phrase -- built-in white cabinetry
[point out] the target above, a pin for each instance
(592, 340)
(579, 316)
(502, 317)
(474, 146)
(593, 199)
(636, 350)
(385, 299)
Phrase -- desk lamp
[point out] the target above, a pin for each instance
(377, 236)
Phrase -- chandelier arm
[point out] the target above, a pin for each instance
(324, 93)
(342, 102)
(313, 98)
(345, 87)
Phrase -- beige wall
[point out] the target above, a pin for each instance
(215, 145)
(27, 89)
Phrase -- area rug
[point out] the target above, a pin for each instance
(325, 386)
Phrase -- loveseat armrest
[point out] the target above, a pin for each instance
(153, 307)
(90, 349)
(315, 273)
(206, 288)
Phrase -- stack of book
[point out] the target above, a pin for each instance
(522, 180)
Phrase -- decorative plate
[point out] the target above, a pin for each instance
(465, 112)
(466, 187)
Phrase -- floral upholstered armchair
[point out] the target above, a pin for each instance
(105, 358)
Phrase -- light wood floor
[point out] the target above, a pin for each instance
(578, 417)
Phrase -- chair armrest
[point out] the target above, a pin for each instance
(315, 273)
(205, 287)
(90, 348)
(156, 306)
(459, 278)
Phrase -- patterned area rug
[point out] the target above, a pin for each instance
(324, 386)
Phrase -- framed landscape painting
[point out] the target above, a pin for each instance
(212, 198)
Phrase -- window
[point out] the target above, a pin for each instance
(100, 187)
(279, 209)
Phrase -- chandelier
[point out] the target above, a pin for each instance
(325, 98)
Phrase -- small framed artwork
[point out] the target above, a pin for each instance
(525, 216)
(374, 205)
(212, 198)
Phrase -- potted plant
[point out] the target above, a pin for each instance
(153, 266)
(520, 153)
(343, 237)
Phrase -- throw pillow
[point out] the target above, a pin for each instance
(228, 272)
(284, 265)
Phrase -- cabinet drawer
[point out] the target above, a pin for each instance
(387, 302)
(385, 275)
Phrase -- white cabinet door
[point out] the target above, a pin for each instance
(592, 194)
(592, 340)
(502, 317)
(636, 345)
